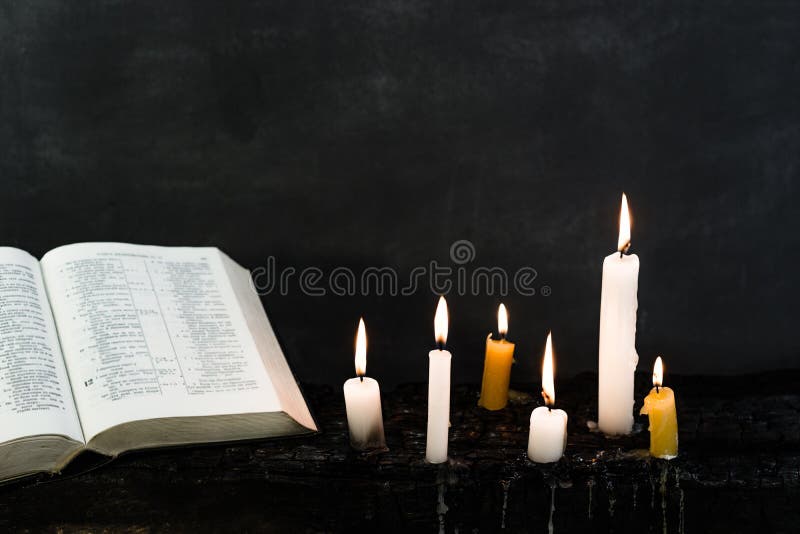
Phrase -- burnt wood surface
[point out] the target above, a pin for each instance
(738, 470)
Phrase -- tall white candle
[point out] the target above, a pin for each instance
(617, 355)
(362, 399)
(438, 390)
(548, 433)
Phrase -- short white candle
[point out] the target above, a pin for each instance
(438, 390)
(362, 399)
(548, 435)
(617, 354)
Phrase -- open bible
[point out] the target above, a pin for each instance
(113, 347)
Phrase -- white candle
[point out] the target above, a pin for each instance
(438, 390)
(617, 355)
(362, 399)
(548, 434)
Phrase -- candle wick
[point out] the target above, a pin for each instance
(440, 345)
(361, 378)
(658, 389)
(502, 336)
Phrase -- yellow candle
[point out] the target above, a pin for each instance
(659, 405)
(497, 366)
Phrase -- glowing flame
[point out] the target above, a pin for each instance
(502, 320)
(361, 349)
(658, 372)
(624, 240)
(548, 388)
(440, 322)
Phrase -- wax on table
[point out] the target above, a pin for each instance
(438, 391)
(547, 439)
(617, 348)
(659, 406)
(497, 366)
(362, 399)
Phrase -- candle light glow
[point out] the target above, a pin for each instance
(624, 240)
(502, 320)
(361, 349)
(548, 386)
(658, 372)
(440, 323)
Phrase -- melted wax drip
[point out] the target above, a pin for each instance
(552, 507)
(441, 508)
(680, 493)
(652, 492)
(611, 499)
(663, 490)
(504, 484)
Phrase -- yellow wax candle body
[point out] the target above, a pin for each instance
(496, 373)
(659, 406)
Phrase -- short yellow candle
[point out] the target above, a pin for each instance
(659, 405)
(497, 366)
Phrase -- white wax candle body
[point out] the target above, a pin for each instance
(548, 436)
(362, 399)
(438, 406)
(617, 355)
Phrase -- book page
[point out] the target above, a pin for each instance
(283, 380)
(35, 396)
(152, 332)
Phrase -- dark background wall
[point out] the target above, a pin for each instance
(378, 133)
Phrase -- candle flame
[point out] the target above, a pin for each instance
(502, 320)
(624, 241)
(440, 322)
(548, 387)
(658, 372)
(361, 349)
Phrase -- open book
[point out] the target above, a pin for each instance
(112, 347)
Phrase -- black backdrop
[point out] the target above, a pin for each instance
(362, 134)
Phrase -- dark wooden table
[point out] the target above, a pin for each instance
(738, 471)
